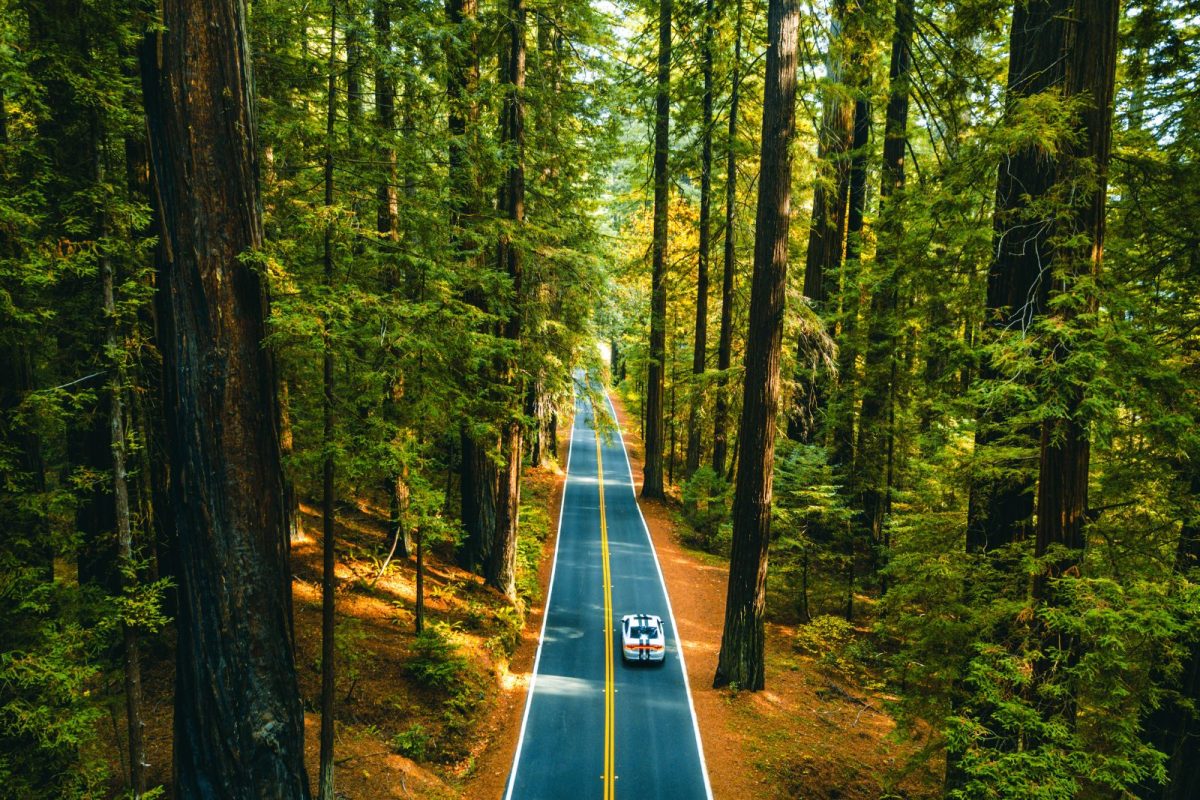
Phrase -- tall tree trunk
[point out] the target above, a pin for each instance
(1067, 47)
(876, 433)
(479, 478)
(387, 225)
(127, 567)
(652, 482)
(501, 569)
(827, 232)
(842, 412)
(328, 555)
(387, 214)
(239, 727)
(1000, 509)
(701, 337)
(725, 344)
(741, 660)
(1089, 47)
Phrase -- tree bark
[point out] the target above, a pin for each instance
(1000, 508)
(725, 344)
(700, 344)
(388, 210)
(479, 479)
(876, 433)
(1089, 47)
(239, 727)
(501, 569)
(827, 232)
(652, 482)
(328, 556)
(741, 659)
(127, 567)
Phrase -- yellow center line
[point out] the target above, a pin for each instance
(609, 699)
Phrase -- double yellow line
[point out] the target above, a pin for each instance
(610, 777)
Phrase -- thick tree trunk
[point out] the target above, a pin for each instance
(741, 660)
(239, 727)
(725, 344)
(479, 479)
(700, 344)
(652, 483)
(479, 486)
(501, 568)
(1089, 47)
(1001, 507)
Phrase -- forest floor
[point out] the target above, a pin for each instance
(427, 718)
(439, 717)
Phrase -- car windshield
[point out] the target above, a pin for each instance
(643, 630)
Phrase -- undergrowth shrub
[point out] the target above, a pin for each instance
(706, 510)
(436, 662)
(834, 643)
(412, 742)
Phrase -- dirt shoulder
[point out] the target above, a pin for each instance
(811, 734)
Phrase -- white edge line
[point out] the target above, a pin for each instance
(666, 594)
(512, 773)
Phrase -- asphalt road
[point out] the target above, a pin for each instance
(595, 727)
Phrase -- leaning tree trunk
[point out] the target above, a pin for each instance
(500, 569)
(741, 660)
(652, 483)
(725, 343)
(692, 462)
(239, 726)
(841, 411)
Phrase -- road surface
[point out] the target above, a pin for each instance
(595, 727)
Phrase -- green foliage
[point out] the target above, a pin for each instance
(413, 742)
(49, 671)
(706, 508)
(438, 665)
(828, 640)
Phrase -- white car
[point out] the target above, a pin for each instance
(642, 638)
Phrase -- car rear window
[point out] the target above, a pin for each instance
(643, 630)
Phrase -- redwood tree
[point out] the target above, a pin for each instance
(500, 568)
(725, 342)
(239, 726)
(700, 342)
(827, 231)
(741, 660)
(652, 483)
